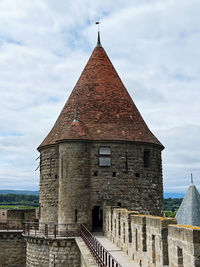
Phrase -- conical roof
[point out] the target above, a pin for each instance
(189, 210)
(105, 110)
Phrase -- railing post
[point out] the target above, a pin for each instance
(46, 230)
(28, 228)
(106, 257)
(54, 230)
(35, 228)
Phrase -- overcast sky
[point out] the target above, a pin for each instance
(155, 48)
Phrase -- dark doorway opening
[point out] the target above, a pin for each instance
(97, 219)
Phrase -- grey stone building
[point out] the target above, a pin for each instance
(99, 152)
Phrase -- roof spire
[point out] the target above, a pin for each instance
(75, 116)
(98, 38)
(191, 183)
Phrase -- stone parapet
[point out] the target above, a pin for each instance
(184, 245)
(152, 241)
(157, 243)
(12, 249)
(48, 252)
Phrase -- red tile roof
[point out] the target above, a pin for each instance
(104, 107)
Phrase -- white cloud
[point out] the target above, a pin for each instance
(44, 46)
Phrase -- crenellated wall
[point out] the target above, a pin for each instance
(50, 253)
(184, 245)
(152, 241)
(12, 249)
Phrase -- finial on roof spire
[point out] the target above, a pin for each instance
(98, 38)
(75, 116)
(191, 180)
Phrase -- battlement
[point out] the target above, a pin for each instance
(152, 241)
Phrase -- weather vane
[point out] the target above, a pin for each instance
(98, 38)
(98, 23)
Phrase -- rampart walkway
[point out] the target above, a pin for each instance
(116, 252)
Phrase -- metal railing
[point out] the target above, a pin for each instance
(51, 230)
(102, 256)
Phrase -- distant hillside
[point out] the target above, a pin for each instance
(19, 192)
(174, 195)
(26, 192)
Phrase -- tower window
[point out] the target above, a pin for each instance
(76, 215)
(104, 157)
(114, 174)
(104, 151)
(146, 158)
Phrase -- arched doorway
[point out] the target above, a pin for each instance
(97, 219)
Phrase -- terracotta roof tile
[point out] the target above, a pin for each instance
(105, 108)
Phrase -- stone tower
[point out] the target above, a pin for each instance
(99, 152)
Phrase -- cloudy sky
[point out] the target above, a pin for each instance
(153, 44)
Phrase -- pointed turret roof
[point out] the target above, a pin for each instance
(189, 210)
(104, 108)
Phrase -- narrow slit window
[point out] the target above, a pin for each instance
(129, 231)
(124, 232)
(119, 224)
(146, 158)
(126, 163)
(136, 239)
(153, 249)
(76, 215)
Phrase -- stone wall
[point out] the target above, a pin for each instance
(153, 241)
(12, 249)
(37, 252)
(3, 215)
(15, 218)
(50, 253)
(70, 172)
(49, 176)
(184, 246)
(127, 182)
(74, 183)
(157, 243)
